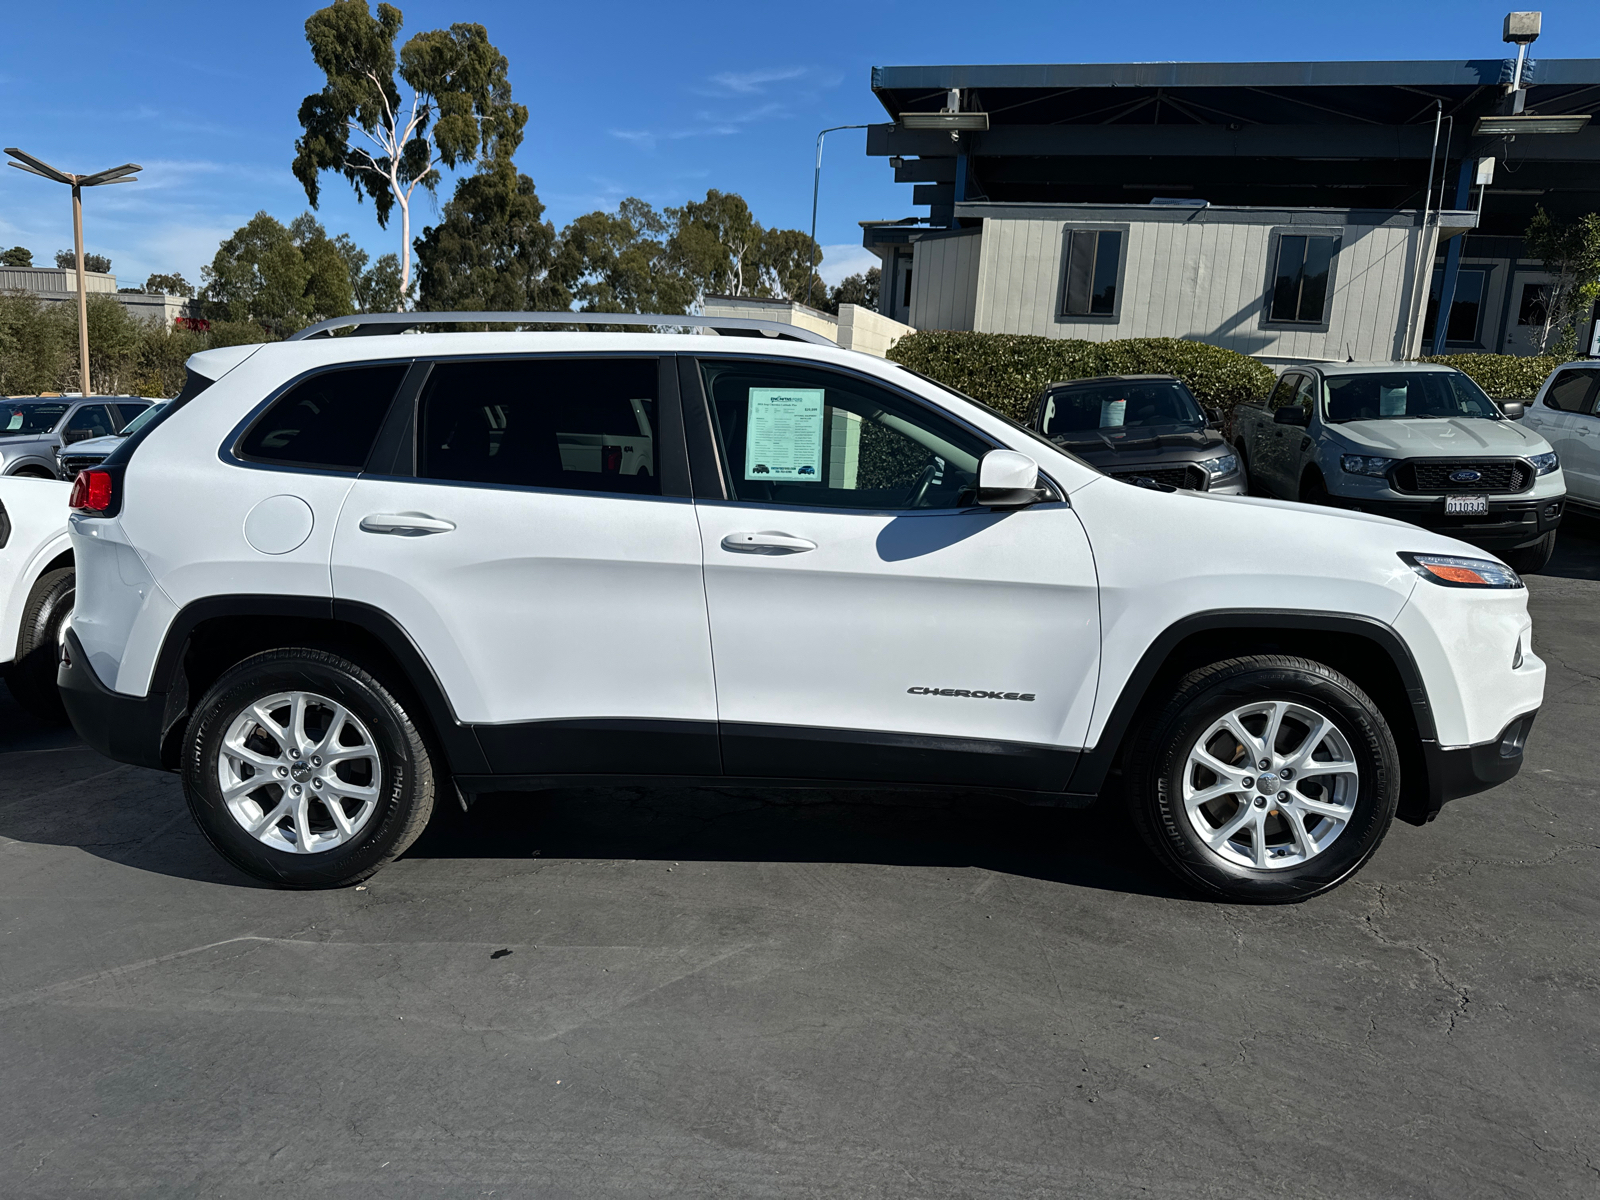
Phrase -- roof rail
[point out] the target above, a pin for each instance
(379, 323)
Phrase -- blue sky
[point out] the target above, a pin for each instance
(659, 101)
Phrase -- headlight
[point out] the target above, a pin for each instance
(1227, 464)
(1462, 572)
(1543, 464)
(1362, 464)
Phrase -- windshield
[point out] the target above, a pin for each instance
(1089, 412)
(1418, 394)
(142, 420)
(17, 420)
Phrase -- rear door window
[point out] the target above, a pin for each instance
(1572, 391)
(327, 421)
(574, 424)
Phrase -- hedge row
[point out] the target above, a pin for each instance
(1503, 376)
(1008, 371)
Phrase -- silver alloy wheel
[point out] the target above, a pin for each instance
(299, 772)
(1270, 785)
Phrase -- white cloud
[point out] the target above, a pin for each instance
(754, 82)
(845, 259)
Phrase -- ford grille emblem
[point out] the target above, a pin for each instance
(1468, 476)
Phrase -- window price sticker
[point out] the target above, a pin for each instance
(783, 437)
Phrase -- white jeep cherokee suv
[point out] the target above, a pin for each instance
(341, 577)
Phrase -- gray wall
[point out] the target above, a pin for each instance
(1188, 273)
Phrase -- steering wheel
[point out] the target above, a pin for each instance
(919, 489)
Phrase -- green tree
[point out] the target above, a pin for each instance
(857, 289)
(68, 261)
(786, 264)
(1570, 252)
(492, 250)
(280, 277)
(619, 262)
(376, 288)
(460, 108)
(17, 256)
(716, 244)
(169, 285)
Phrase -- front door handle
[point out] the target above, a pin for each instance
(405, 524)
(767, 542)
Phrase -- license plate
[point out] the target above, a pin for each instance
(1465, 506)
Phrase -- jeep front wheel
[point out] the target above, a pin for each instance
(1265, 780)
(303, 770)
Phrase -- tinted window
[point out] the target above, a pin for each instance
(328, 421)
(19, 420)
(573, 423)
(142, 418)
(1571, 392)
(1284, 393)
(1300, 287)
(1093, 256)
(1465, 307)
(1407, 394)
(1534, 306)
(127, 411)
(90, 421)
(1085, 411)
(813, 438)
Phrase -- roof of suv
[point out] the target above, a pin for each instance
(1368, 368)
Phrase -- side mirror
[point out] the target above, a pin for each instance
(1214, 416)
(74, 435)
(1292, 415)
(1007, 479)
(1513, 409)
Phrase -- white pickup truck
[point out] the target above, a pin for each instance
(1414, 441)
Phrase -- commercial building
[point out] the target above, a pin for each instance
(57, 285)
(1284, 210)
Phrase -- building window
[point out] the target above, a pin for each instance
(1094, 267)
(1302, 283)
(1535, 304)
(1465, 309)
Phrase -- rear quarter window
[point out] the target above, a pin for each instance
(327, 421)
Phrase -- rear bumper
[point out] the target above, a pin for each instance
(1508, 525)
(1472, 769)
(126, 728)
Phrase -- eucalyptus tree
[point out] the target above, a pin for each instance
(363, 127)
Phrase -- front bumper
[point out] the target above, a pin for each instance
(1453, 774)
(126, 728)
(1508, 525)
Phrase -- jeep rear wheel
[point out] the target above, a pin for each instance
(32, 678)
(303, 770)
(1264, 780)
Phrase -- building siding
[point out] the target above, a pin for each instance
(1205, 280)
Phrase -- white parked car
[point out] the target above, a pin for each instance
(340, 578)
(1564, 414)
(36, 589)
(90, 452)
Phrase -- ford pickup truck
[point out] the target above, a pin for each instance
(1415, 441)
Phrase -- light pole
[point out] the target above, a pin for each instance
(77, 183)
(816, 182)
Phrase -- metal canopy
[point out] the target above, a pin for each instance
(388, 323)
(1332, 134)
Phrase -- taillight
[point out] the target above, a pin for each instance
(91, 492)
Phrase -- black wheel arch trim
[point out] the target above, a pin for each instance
(457, 740)
(1096, 763)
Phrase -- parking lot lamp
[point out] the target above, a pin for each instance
(122, 174)
(816, 182)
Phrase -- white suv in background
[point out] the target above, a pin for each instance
(1564, 414)
(341, 577)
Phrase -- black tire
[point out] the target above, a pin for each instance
(1251, 487)
(1530, 560)
(1159, 756)
(1313, 489)
(32, 678)
(406, 786)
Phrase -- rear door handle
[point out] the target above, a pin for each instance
(405, 524)
(767, 542)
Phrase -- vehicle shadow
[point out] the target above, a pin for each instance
(1577, 553)
(1095, 847)
(56, 792)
